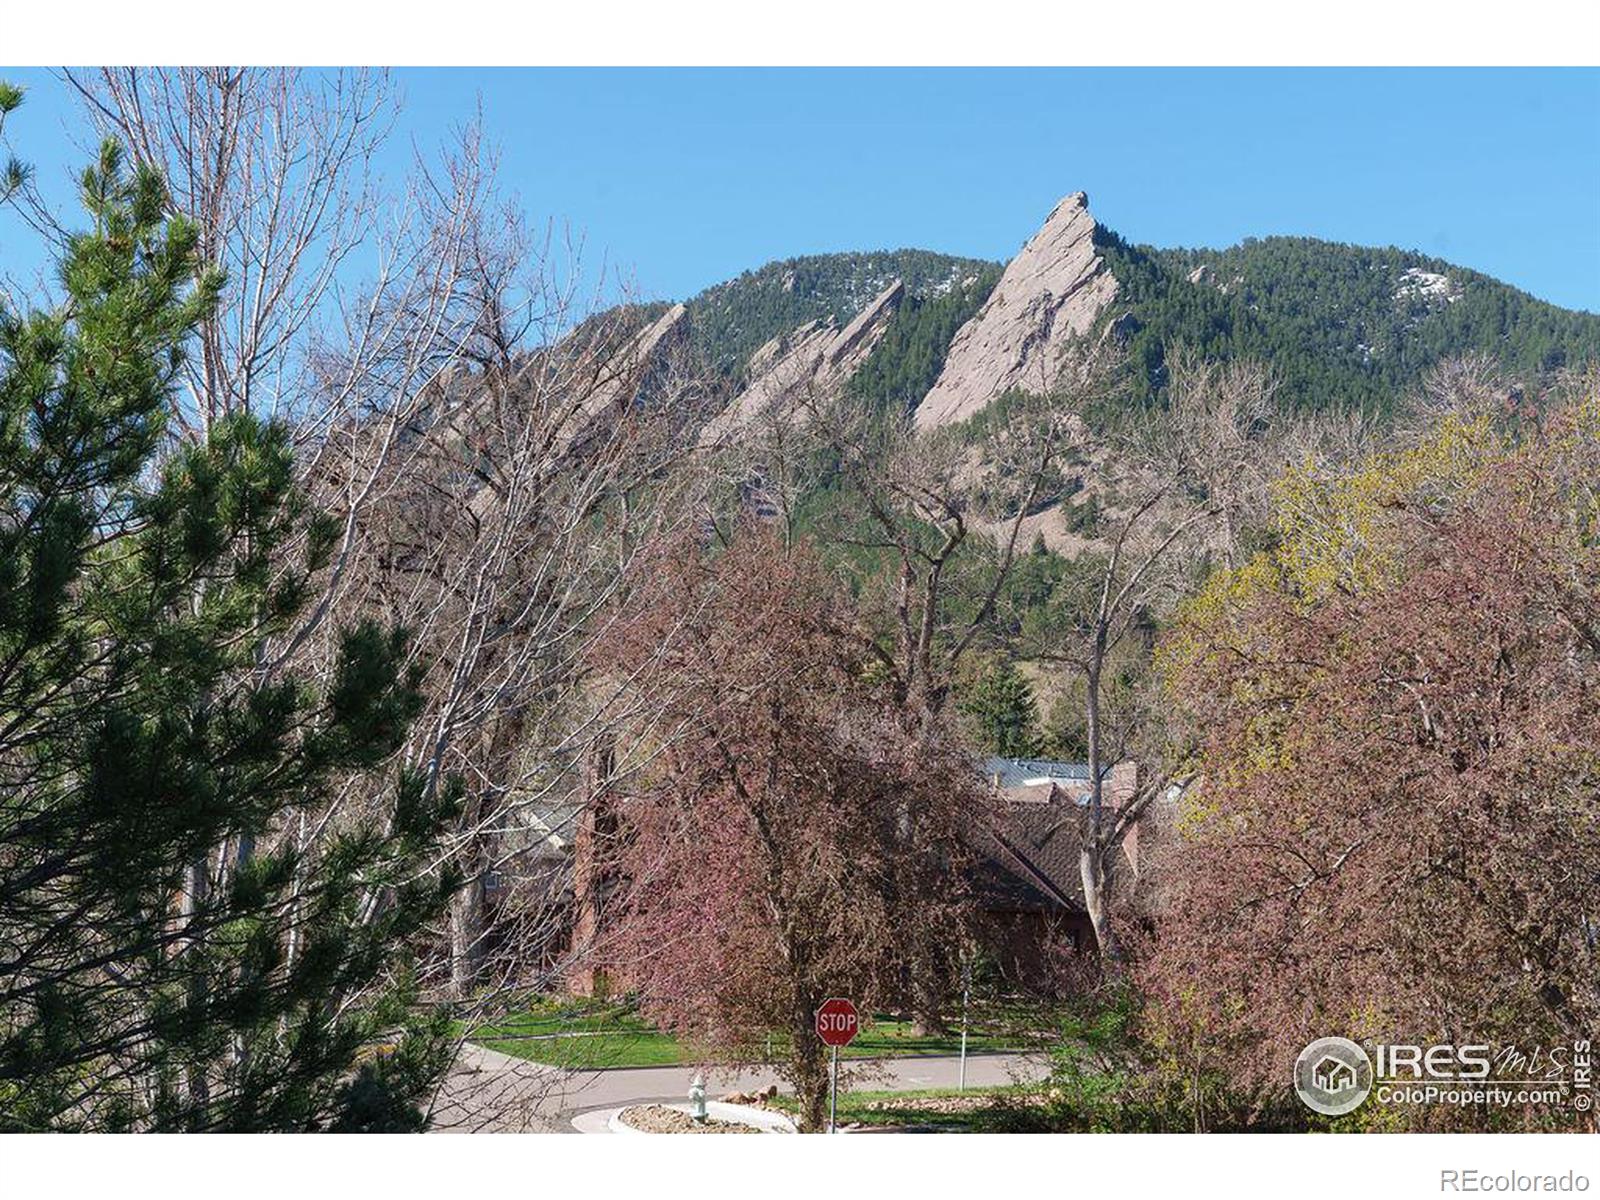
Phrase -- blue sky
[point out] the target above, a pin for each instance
(682, 178)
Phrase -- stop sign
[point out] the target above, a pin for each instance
(837, 1022)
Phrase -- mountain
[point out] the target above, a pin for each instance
(732, 320)
(1342, 325)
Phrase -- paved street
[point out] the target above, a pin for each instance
(492, 1092)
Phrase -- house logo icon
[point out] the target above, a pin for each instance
(1332, 1076)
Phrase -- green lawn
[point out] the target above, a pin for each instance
(580, 1035)
(589, 1035)
(888, 1038)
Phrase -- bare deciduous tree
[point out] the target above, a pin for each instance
(935, 567)
(1190, 476)
(920, 500)
(277, 167)
(487, 460)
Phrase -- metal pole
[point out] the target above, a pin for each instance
(833, 1101)
(966, 992)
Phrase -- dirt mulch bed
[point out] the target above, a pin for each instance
(657, 1118)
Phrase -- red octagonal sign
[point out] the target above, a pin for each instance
(837, 1022)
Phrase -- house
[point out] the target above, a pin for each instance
(1028, 878)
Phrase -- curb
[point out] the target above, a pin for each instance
(609, 1120)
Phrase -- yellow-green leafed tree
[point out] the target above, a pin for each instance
(1395, 830)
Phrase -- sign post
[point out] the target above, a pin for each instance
(966, 995)
(833, 1094)
(837, 1025)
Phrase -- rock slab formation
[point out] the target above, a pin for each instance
(816, 356)
(623, 374)
(1050, 293)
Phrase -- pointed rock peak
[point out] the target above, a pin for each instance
(1068, 221)
(1070, 213)
(867, 324)
(817, 356)
(889, 297)
(663, 326)
(1049, 295)
(625, 375)
(1073, 203)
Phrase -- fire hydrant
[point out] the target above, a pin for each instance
(697, 1099)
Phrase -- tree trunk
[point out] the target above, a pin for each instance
(1094, 865)
(928, 1017)
(808, 1064)
(466, 937)
(197, 1087)
(1097, 901)
(921, 987)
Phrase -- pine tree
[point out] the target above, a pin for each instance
(1003, 707)
(177, 951)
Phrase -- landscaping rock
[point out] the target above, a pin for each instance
(940, 1104)
(760, 1097)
